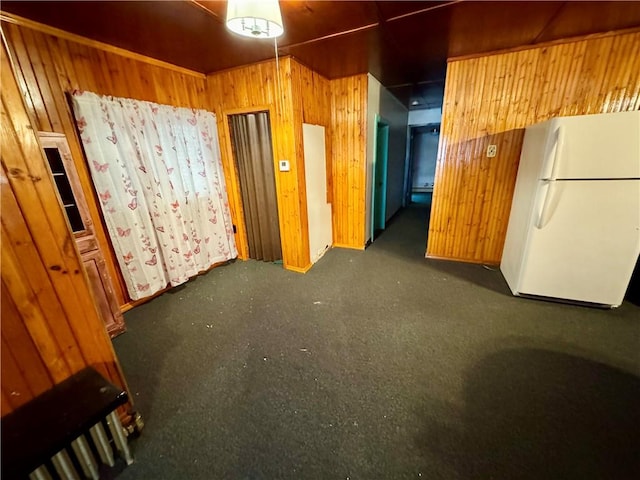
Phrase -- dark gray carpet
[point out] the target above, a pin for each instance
(380, 365)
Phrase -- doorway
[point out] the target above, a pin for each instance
(253, 156)
(421, 168)
(380, 165)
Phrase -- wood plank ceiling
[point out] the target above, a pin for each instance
(405, 44)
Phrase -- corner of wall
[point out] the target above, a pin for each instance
(373, 108)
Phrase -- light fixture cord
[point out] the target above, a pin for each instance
(279, 91)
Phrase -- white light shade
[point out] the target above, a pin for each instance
(255, 18)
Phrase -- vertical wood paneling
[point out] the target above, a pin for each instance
(311, 104)
(48, 67)
(18, 346)
(348, 161)
(50, 326)
(255, 88)
(490, 100)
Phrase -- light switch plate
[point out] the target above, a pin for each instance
(492, 150)
(284, 165)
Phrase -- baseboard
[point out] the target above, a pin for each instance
(298, 269)
(352, 247)
(463, 260)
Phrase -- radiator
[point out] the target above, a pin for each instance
(69, 432)
(82, 458)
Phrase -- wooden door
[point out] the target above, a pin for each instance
(71, 197)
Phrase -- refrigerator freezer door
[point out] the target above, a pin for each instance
(586, 247)
(593, 146)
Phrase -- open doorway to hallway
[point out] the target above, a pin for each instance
(389, 156)
(421, 168)
(423, 136)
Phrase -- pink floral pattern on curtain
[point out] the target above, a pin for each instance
(159, 178)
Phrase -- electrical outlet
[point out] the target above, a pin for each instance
(492, 150)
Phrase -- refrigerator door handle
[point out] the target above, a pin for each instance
(559, 144)
(543, 218)
(544, 211)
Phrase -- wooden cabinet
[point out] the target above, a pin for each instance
(72, 199)
(100, 282)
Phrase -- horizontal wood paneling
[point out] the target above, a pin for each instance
(50, 326)
(48, 67)
(348, 162)
(490, 100)
(258, 88)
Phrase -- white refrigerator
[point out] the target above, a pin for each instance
(574, 226)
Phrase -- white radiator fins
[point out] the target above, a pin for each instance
(64, 467)
(40, 473)
(83, 454)
(87, 452)
(101, 442)
(118, 437)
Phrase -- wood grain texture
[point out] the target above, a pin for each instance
(348, 160)
(312, 104)
(50, 326)
(49, 67)
(25, 22)
(262, 87)
(490, 100)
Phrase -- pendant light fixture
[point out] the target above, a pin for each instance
(255, 18)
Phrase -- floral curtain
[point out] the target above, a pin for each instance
(159, 179)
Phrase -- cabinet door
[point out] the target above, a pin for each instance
(100, 283)
(69, 188)
(72, 199)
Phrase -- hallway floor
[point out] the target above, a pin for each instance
(379, 364)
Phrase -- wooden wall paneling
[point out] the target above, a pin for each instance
(292, 183)
(491, 100)
(117, 71)
(30, 85)
(253, 88)
(5, 403)
(48, 67)
(314, 92)
(56, 250)
(101, 62)
(70, 59)
(42, 65)
(17, 340)
(14, 382)
(42, 305)
(94, 70)
(297, 115)
(348, 143)
(39, 259)
(312, 104)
